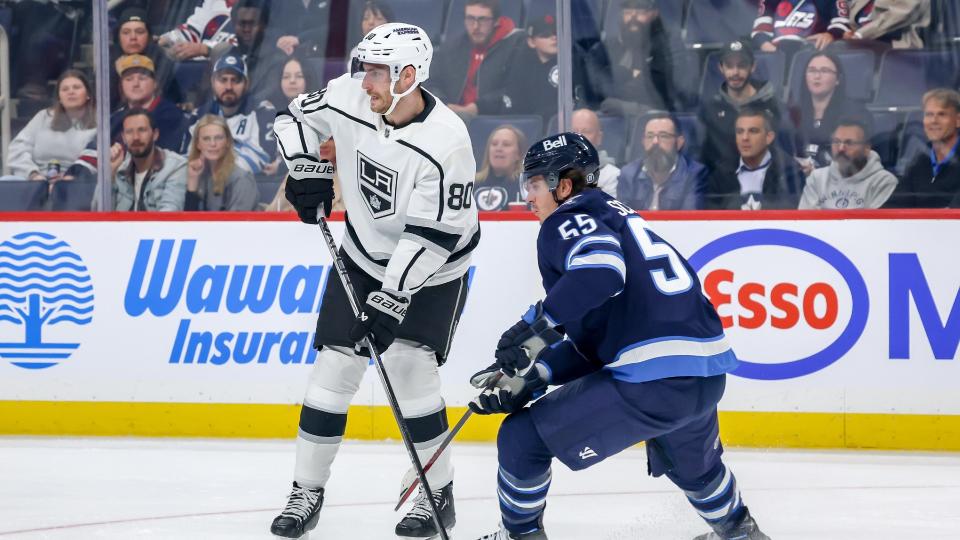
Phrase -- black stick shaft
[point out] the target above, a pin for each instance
(387, 387)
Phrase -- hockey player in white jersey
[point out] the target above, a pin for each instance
(406, 166)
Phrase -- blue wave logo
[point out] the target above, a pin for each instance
(43, 283)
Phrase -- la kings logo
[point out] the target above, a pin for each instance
(378, 185)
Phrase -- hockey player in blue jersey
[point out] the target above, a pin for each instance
(638, 352)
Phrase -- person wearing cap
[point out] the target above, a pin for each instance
(138, 90)
(463, 61)
(532, 76)
(633, 71)
(249, 118)
(133, 36)
(718, 114)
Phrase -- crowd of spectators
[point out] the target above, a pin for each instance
(776, 115)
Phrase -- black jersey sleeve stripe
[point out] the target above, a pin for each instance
(356, 242)
(338, 111)
(413, 260)
(439, 168)
(465, 250)
(446, 241)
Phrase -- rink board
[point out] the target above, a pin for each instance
(847, 324)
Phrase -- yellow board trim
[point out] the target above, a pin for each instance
(757, 429)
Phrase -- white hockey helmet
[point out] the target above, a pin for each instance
(395, 45)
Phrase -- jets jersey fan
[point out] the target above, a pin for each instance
(617, 289)
(799, 19)
(412, 221)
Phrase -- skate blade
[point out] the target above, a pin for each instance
(437, 536)
(306, 536)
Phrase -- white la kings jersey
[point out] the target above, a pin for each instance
(408, 191)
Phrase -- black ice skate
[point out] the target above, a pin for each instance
(746, 530)
(301, 514)
(504, 534)
(418, 523)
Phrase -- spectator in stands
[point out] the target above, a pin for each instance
(205, 29)
(133, 37)
(855, 179)
(497, 184)
(56, 136)
(587, 123)
(327, 151)
(817, 22)
(531, 75)
(299, 26)
(633, 72)
(453, 77)
(822, 101)
(718, 114)
(138, 90)
(145, 176)
(895, 22)
(932, 180)
(249, 121)
(664, 178)
(766, 177)
(375, 13)
(294, 80)
(250, 19)
(214, 179)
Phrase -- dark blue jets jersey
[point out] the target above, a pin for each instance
(800, 19)
(625, 298)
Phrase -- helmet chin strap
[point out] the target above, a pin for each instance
(397, 97)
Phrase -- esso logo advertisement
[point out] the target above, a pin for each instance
(790, 303)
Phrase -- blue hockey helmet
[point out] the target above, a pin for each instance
(555, 155)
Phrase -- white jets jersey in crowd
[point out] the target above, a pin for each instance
(408, 190)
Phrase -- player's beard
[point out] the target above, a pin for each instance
(659, 160)
(849, 166)
(147, 148)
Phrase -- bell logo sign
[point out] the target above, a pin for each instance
(792, 303)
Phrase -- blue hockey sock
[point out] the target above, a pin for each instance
(523, 477)
(718, 502)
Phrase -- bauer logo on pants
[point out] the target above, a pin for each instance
(43, 284)
(377, 185)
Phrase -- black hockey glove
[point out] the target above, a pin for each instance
(310, 186)
(525, 341)
(509, 394)
(380, 317)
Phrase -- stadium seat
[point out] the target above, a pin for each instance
(711, 23)
(23, 195)
(905, 75)
(886, 136)
(912, 141)
(671, 11)
(267, 187)
(482, 126)
(857, 66)
(427, 14)
(190, 73)
(770, 67)
(453, 27)
(73, 196)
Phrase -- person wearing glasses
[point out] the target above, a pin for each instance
(855, 179)
(664, 178)
(215, 181)
(488, 34)
(815, 112)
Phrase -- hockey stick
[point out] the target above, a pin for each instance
(415, 481)
(381, 371)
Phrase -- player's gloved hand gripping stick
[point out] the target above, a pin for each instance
(375, 354)
(520, 346)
